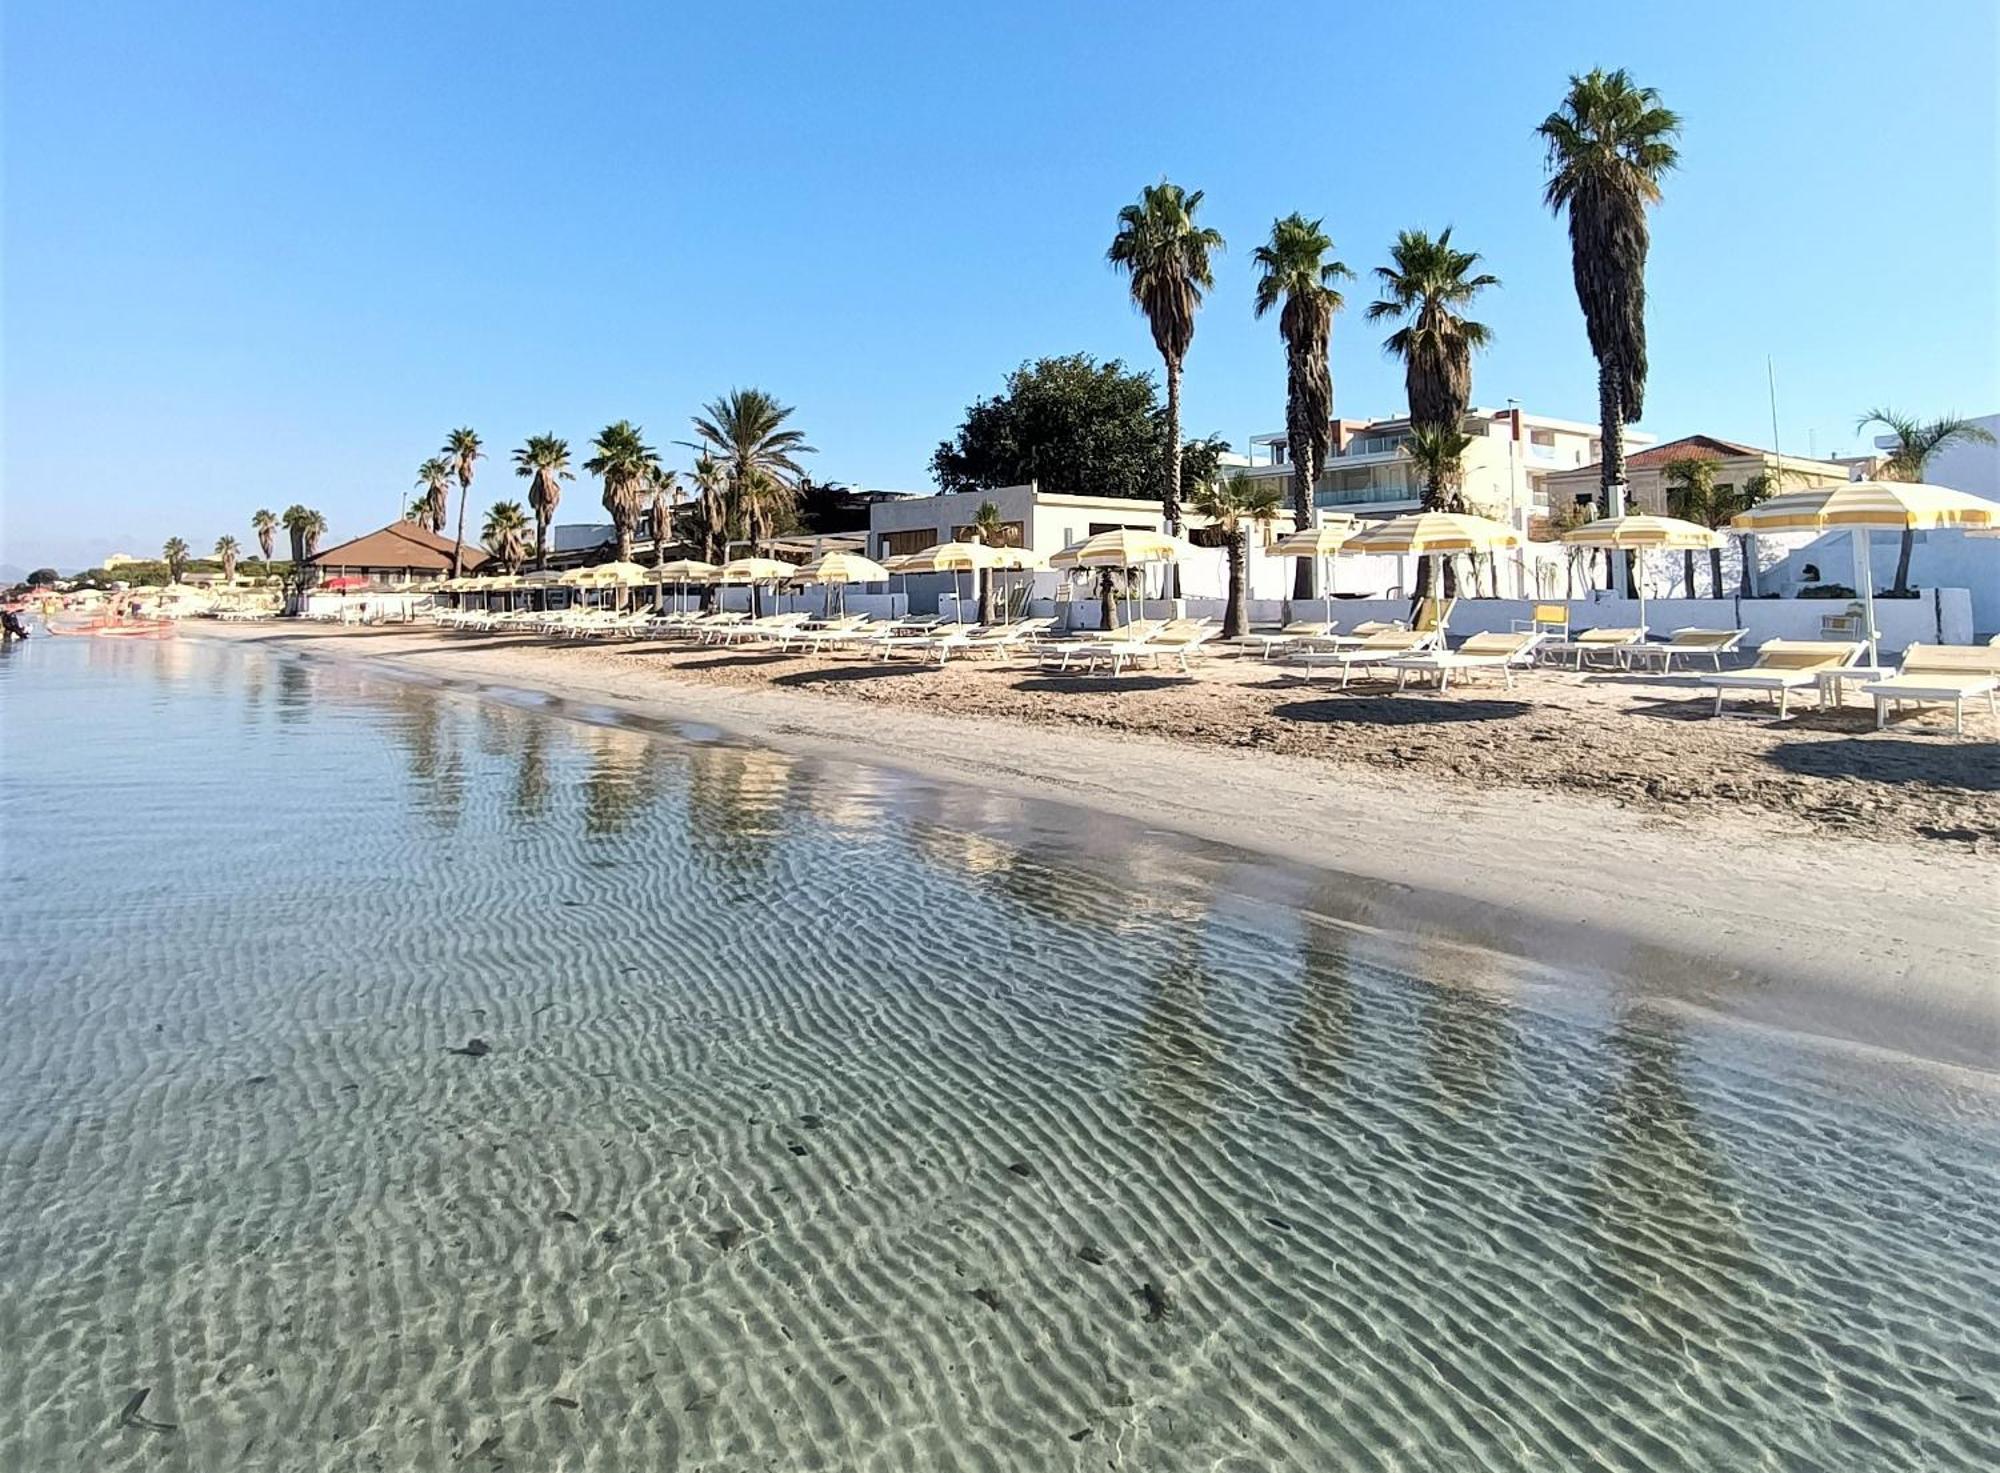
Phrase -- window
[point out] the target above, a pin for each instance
(1012, 534)
(896, 544)
(1544, 438)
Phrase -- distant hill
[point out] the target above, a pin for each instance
(12, 573)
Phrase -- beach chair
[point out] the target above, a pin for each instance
(1299, 631)
(1942, 675)
(1377, 649)
(1502, 652)
(996, 640)
(1685, 644)
(1178, 640)
(1586, 643)
(1433, 614)
(1060, 654)
(1551, 621)
(805, 634)
(1783, 666)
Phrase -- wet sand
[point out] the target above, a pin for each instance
(1575, 814)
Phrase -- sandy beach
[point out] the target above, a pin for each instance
(1577, 817)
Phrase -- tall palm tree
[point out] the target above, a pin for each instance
(227, 551)
(505, 533)
(1234, 505)
(175, 556)
(264, 523)
(1166, 254)
(418, 512)
(1427, 286)
(312, 530)
(1916, 442)
(461, 448)
(1609, 145)
(434, 477)
(746, 431)
(1293, 268)
(294, 521)
(544, 460)
(625, 463)
(711, 484)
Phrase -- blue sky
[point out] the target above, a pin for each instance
(257, 254)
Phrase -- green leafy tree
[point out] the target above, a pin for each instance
(1235, 504)
(1293, 268)
(227, 552)
(1438, 453)
(264, 523)
(1427, 287)
(1166, 255)
(1071, 425)
(544, 461)
(175, 556)
(625, 463)
(1692, 496)
(506, 534)
(1609, 146)
(1916, 441)
(745, 431)
(43, 578)
(461, 449)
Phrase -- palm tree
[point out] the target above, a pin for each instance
(664, 490)
(1916, 443)
(1293, 268)
(1166, 255)
(265, 524)
(544, 460)
(311, 530)
(1438, 453)
(434, 477)
(1609, 145)
(1692, 496)
(1427, 288)
(987, 527)
(712, 489)
(175, 556)
(1234, 505)
(227, 551)
(505, 533)
(758, 455)
(625, 463)
(461, 448)
(418, 511)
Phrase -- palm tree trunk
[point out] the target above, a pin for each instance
(1904, 549)
(458, 547)
(541, 542)
(1714, 571)
(1107, 602)
(985, 595)
(1611, 478)
(1233, 622)
(1748, 587)
(1298, 429)
(1170, 495)
(1687, 572)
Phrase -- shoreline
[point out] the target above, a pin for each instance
(1882, 942)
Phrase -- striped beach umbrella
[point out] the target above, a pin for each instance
(1637, 532)
(839, 569)
(1869, 506)
(1318, 542)
(1434, 534)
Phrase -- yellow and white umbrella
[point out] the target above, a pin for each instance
(755, 570)
(953, 558)
(1636, 532)
(1122, 547)
(1869, 506)
(841, 568)
(1434, 534)
(682, 571)
(1318, 542)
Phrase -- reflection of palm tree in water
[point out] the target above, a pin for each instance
(734, 799)
(1466, 1032)
(418, 722)
(1178, 1049)
(530, 798)
(1670, 1246)
(1320, 1041)
(294, 691)
(621, 782)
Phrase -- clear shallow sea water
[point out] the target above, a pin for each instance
(837, 1120)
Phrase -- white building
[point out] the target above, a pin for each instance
(1368, 472)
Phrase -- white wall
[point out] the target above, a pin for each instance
(1946, 558)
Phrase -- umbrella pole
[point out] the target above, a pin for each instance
(1862, 561)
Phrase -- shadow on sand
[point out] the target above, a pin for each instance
(1084, 685)
(1399, 711)
(847, 674)
(1942, 761)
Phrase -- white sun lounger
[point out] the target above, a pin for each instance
(1502, 652)
(1377, 649)
(1943, 675)
(1783, 666)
